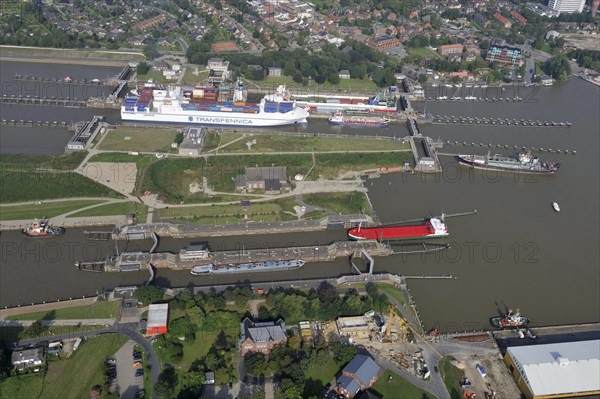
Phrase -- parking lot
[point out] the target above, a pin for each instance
(127, 382)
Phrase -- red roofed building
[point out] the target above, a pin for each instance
(518, 17)
(158, 317)
(448, 49)
(503, 21)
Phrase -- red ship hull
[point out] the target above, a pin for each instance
(396, 233)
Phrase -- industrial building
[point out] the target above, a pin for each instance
(158, 316)
(561, 370)
(566, 6)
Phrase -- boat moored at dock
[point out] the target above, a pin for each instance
(251, 267)
(339, 118)
(510, 320)
(432, 228)
(524, 163)
(211, 105)
(41, 228)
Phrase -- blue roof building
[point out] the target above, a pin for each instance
(360, 373)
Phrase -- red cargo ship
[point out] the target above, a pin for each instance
(433, 228)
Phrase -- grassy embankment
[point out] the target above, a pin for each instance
(33, 178)
(396, 387)
(173, 177)
(97, 310)
(151, 139)
(22, 386)
(44, 210)
(121, 208)
(344, 84)
(11, 334)
(74, 377)
(275, 143)
(69, 56)
(452, 377)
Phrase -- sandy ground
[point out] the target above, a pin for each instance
(497, 376)
(583, 41)
(120, 176)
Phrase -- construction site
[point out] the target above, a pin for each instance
(475, 369)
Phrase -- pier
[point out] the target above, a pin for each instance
(506, 146)
(27, 100)
(24, 123)
(85, 134)
(98, 235)
(444, 119)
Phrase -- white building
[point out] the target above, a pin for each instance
(561, 370)
(566, 6)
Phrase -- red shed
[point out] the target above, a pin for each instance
(158, 316)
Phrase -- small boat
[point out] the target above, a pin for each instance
(41, 228)
(555, 206)
(339, 118)
(511, 320)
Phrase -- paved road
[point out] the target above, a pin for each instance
(74, 323)
(416, 381)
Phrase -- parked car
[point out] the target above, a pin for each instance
(137, 364)
(139, 372)
(112, 360)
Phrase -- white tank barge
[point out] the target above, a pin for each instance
(252, 267)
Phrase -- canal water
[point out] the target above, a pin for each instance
(516, 252)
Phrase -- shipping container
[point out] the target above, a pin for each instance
(250, 110)
(239, 103)
(345, 101)
(130, 100)
(129, 108)
(332, 101)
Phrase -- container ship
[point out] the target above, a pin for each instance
(432, 228)
(41, 228)
(339, 118)
(383, 102)
(237, 268)
(524, 163)
(211, 105)
(511, 320)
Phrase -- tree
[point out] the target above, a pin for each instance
(333, 78)
(320, 79)
(294, 342)
(182, 327)
(35, 329)
(255, 363)
(327, 292)
(298, 76)
(196, 315)
(149, 294)
(422, 78)
(343, 353)
(167, 381)
(143, 68)
(150, 52)
(263, 313)
(558, 67)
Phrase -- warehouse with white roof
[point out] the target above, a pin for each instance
(561, 370)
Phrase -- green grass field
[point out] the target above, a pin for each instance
(190, 78)
(74, 377)
(120, 208)
(155, 75)
(139, 139)
(393, 292)
(98, 310)
(21, 162)
(350, 203)
(344, 84)
(31, 186)
(275, 143)
(332, 166)
(323, 372)
(27, 386)
(452, 377)
(398, 387)
(422, 51)
(44, 210)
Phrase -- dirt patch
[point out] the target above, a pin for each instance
(497, 376)
(120, 176)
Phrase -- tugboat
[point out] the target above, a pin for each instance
(41, 228)
(511, 320)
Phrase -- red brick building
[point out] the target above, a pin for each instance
(261, 337)
(383, 42)
(503, 21)
(518, 17)
(448, 49)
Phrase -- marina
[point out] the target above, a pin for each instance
(505, 122)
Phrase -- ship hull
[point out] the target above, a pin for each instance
(243, 268)
(416, 237)
(219, 118)
(475, 165)
(498, 323)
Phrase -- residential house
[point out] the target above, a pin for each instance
(272, 179)
(510, 56)
(344, 74)
(360, 374)
(480, 20)
(515, 14)
(448, 49)
(275, 71)
(261, 337)
(502, 21)
(383, 42)
(28, 358)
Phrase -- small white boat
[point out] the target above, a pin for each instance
(555, 206)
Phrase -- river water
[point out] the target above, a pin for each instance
(515, 252)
